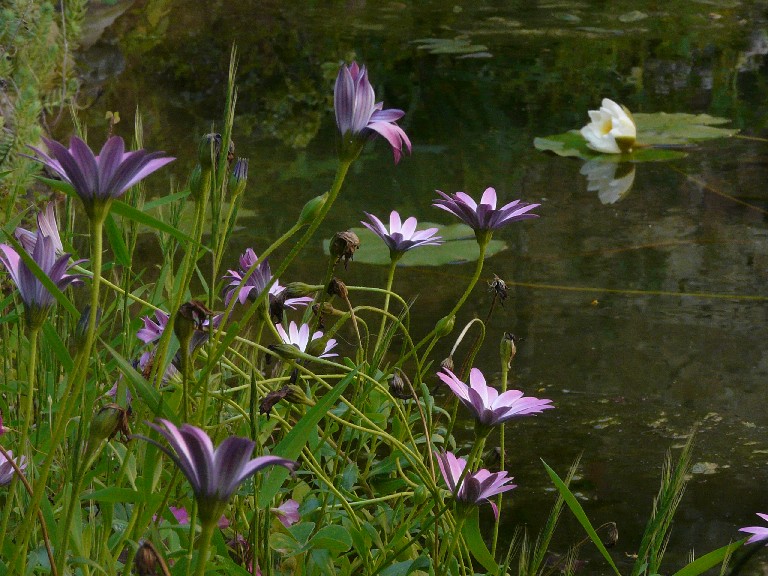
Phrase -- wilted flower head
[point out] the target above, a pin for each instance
(358, 115)
(99, 179)
(484, 217)
(489, 407)
(401, 236)
(299, 337)
(759, 533)
(477, 487)
(148, 561)
(611, 129)
(37, 299)
(343, 245)
(213, 473)
(6, 468)
(287, 513)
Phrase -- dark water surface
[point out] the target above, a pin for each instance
(639, 318)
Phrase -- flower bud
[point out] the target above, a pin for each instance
(298, 289)
(343, 245)
(312, 209)
(208, 150)
(107, 422)
(191, 317)
(199, 182)
(444, 326)
(420, 494)
(286, 351)
(337, 288)
(239, 177)
(148, 562)
(507, 349)
(295, 395)
(82, 325)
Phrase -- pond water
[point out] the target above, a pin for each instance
(642, 312)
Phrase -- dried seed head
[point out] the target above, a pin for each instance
(191, 317)
(400, 385)
(343, 245)
(613, 535)
(447, 363)
(337, 288)
(507, 349)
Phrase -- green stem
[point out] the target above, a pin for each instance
(504, 378)
(204, 545)
(390, 279)
(454, 541)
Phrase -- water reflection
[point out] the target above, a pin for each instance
(611, 180)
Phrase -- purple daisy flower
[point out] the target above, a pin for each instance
(152, 329)
(214, 473)
(299, 337)
(6, 468)
(46, 223)
(485, 216)
(99, 178)
(358, 114)
(490, 407)
(759, 533)
(401, 236)
(477, 487)
(37, 299)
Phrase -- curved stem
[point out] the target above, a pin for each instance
(390, 279)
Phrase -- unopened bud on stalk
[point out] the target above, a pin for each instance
(239, 177)
(148, 562)
(107, 422)
(286, 351)
(199, 182)
(312, 209)
(82, 325)
(337, 288)
(298, 289)
(444, 326)
(507, 349)
(343, 245)
(208, 150)
(296, 395)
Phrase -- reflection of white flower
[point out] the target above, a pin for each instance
(611, 130)
(610, 180)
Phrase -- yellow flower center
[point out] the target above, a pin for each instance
(606, 126)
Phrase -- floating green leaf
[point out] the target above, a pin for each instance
(653, 132)
(460, 246)
(458, 45)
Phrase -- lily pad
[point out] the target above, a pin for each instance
(460, 246)
(572, 144)
(654, 131)
(458, 45)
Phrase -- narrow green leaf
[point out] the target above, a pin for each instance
(291, 445)
(164, 200)
(581, 516)
(51, 338)
(116, 495)
(59, 185)
(474, 539)
(127, 211)
(701, 565)
(139, 386)
(116, 241)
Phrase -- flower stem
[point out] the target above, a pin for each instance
(504, 378)
(204, 544)
(390, 279)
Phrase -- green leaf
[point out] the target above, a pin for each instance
(116, 241)
(116, 495)
(59, 185)
(581, 516)
(332, 537)
(474, 539)
(460, 246)
(127, 211)
(56, 344)
(302, 531)
(701, 565)
(407, 566)
(139, 386)
(294, 441)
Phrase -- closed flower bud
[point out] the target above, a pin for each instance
(239, 177)
(148, 562)
(199, 182)
(107, 422)
(295, 395)
(311, 209)
(343, 245)
(286, 351)
(420, 494)
(337, 288)
(444, 326)
(208, 150)
(82, 325)
(507, 349)
(298, 290)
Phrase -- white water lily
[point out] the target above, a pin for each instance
(611, 130)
